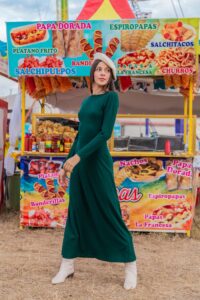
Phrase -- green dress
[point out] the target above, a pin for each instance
(94, 225)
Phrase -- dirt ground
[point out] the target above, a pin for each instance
(168, 267)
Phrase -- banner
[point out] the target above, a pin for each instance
(43, 202)
(3, 58)
(156, 194)
(147, 47)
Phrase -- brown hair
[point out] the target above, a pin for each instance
(110, 84)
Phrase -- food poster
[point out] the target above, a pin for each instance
(43, 202)
(147, 47)
(3, 58)
(156, 194)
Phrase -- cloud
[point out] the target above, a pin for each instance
(164, 8)
(28, 10)
(7, 87)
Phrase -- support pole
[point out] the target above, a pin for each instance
(43, 106)
(64, 10)
(23, 106)
(191, 130)
(185, 120)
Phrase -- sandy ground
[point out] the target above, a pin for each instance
(168, 267)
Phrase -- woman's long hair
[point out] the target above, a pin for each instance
(110, 84)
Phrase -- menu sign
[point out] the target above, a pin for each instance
(147, 47)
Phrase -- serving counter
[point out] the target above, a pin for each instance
(157, 191)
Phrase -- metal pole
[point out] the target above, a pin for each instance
(23, 106)
(43, 106)
(185, 120)
(64, 10)
(191, 130)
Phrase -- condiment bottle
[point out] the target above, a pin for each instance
(167, 147)
(34, 144)
(30, 143)
(42, 145)
(27, 138)
(48, 143)
(55, 143)
(67, 144)
(61, 145)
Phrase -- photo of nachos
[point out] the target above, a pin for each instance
(176, 58)
(177, 31)
(175, 214)
(149, 172)
(139, 59)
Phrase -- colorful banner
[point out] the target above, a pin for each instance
(3, 58)
(156, 194)
(43, 202)
(138, 47)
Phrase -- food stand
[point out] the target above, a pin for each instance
(155, 183)
(3, 127)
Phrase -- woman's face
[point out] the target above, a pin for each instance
(102, 74)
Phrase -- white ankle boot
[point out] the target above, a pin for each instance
(130, 275)
(66, 270)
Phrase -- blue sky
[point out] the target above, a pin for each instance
(29, 10)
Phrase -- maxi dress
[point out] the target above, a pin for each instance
(94, 226)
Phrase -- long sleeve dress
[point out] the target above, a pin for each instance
(94, 225)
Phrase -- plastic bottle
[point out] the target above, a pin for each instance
(34, 143)
(167, 147)
(27, 138)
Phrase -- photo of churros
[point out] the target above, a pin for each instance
(176, 58)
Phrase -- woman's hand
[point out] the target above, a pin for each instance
(71, 163)
(62, 180)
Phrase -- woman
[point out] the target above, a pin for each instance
(94, 225)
